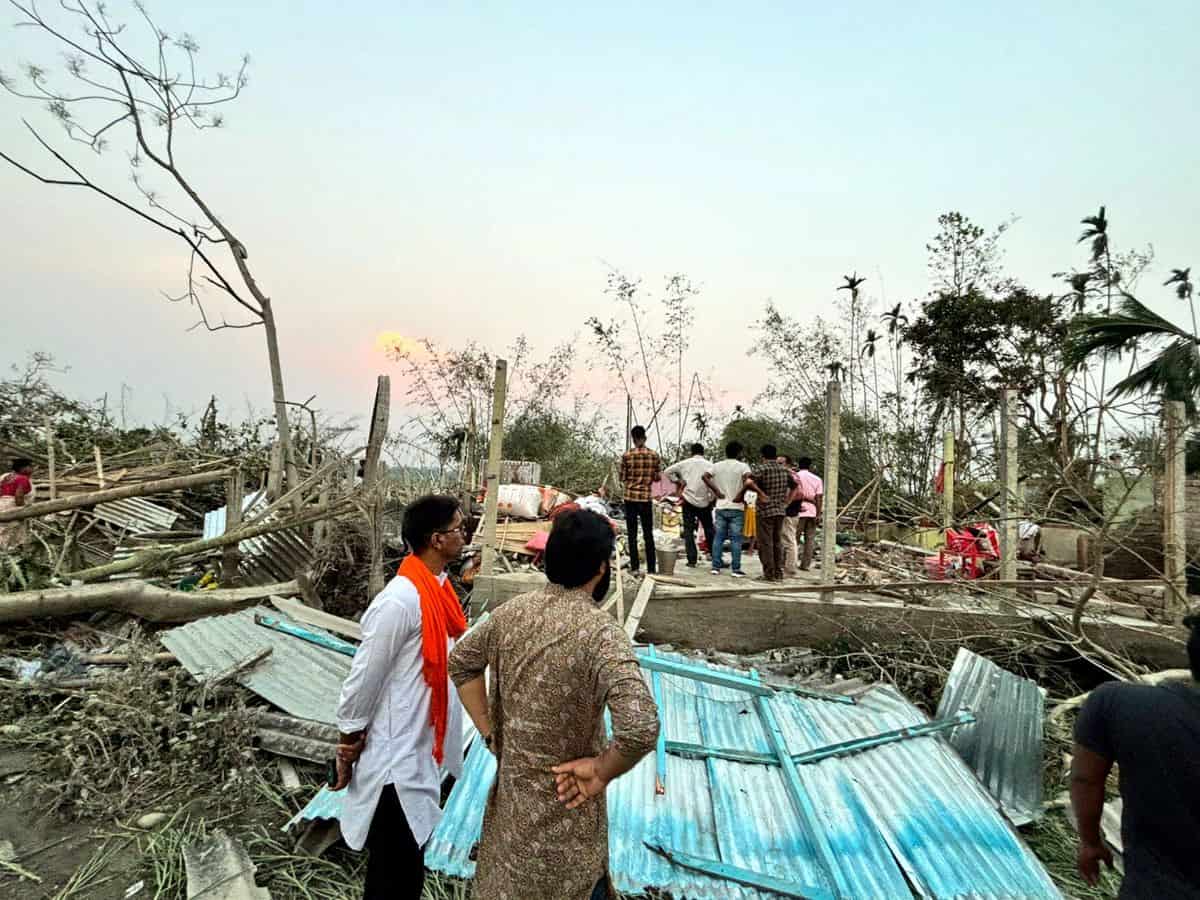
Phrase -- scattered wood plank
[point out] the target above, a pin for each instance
(639, 606)
(124, 659)
(308, 616)
(288, 776)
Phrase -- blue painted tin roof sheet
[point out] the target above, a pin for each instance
(903, 818)
(1004, 744)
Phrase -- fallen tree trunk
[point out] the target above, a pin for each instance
(138, 598)
(151, 558)
(162, 486)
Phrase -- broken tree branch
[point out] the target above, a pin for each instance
(138, 598)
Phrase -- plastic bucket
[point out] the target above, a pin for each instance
(666, 561)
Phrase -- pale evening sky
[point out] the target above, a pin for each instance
(460, 172)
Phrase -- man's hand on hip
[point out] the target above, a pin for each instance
(578, 781)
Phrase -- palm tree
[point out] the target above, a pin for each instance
(1096, 232)
(868, 349)
(835, 370)
(852, 284)
(1182, 279)
(1175, 371)
(896, 323)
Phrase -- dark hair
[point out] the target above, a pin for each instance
(425, 517)
(697, 449)
(804, 462)
(786, 458)
(733, 450)
(769, 451)
(638, 433)
(20, 463)
(580, 541)
(1193, 644)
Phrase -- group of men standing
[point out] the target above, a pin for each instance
(788, 499)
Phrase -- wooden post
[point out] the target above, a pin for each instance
(1175, 511)
(1010, 509)
(495, 446)
(275, 472)
(50, 441)
(379, 425)
(231, 557)
(833, 445)
(380, 414)
(99, 467)
(948, 479)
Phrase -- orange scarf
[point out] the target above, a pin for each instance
(441, 619)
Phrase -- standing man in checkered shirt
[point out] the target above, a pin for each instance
(640, 468)
(773, 485)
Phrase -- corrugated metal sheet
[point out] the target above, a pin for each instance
(135, 515)
(1004, 744)
(267, 558)
(902, 818)
(300, 678)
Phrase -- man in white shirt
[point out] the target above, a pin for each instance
(697, 499)
(727, 482)
(399, 716)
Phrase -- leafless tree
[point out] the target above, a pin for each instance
(108, 93)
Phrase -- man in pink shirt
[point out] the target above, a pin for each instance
(812, 495)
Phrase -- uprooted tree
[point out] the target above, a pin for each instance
(110, 92)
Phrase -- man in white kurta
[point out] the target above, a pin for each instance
(392, 801)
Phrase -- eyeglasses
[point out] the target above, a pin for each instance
(461, 529)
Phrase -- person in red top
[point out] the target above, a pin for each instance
(16, 489)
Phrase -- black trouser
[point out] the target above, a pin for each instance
(395, 864)
(690, 515)
(636, 510)
(768, 530)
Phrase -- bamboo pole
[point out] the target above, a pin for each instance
(1175, 510)
(78, 501)
(99, 467)
(833, 443)
(948, 462)
(495, 446)
(50, 448)
(1010, 509)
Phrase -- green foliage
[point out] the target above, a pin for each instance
(804, 435)
(1175, 371)
(573, 450)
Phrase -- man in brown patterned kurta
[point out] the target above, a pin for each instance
(556, 662)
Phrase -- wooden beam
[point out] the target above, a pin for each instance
(1010, 509)
(833, 445)
(1175, 510)
(495, 448)
(306, 615)
(639, 606)
(99, 467)
(78, 501)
